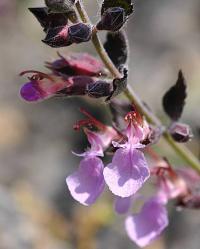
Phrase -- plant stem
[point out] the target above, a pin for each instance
(182, 151)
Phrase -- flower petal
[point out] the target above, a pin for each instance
(127, 172)
(77, 64)
(146, 226)
(87, 183)
(41, 89)
(30, 92)
(122, 205)
(96, 148)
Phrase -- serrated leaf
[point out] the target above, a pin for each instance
(174, 99)
(127, 5)
(117, 48)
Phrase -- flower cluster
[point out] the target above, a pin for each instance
(128, 170)
(130, 137)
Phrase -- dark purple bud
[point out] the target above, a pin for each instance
(112, 19)
(78, 86)
(181, 133)
(99, 89)
(57, 37)
(49, 20)
(80, 32)
(59, 6)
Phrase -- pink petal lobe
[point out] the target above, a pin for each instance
(87, 183)
(147, 225)
(127, 172)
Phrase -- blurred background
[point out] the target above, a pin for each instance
(36, 140)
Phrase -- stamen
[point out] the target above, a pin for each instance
(134, 117)
(83, 123)
(38, 75)
(93, 121)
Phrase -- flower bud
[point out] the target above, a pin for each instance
(80, 32)
(57, 37)
(59, 6)
(112, 19)
(49, 20)
(181, 133)
(78, 85)
(99, 89)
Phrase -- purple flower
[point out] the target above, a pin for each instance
(148, 224)
(73, 75)
(87, 183)
(128, 171)
(42, 86)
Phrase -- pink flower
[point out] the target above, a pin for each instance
(148, 224)
(87, 183)
(128, 171)
(75, 74)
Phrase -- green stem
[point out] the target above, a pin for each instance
(181, 150)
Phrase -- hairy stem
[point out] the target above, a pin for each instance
(182, 151)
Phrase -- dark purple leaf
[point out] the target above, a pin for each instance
(119, 85)
(174, 99)
(117, 48)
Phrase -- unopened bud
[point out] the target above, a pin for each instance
(49, 20)
(80, 32)
(112, 19)
(99, 89)
(57, 37)
(180, 132)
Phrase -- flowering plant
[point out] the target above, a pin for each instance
(135, 128)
